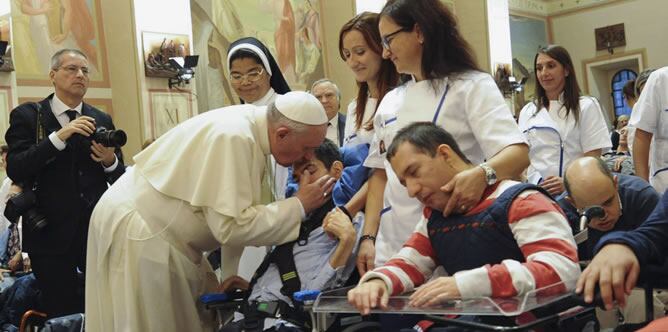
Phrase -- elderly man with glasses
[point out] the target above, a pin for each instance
(51, 155)
(329, 95)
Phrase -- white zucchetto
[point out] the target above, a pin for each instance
(301, 107)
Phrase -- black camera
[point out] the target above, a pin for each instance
(109, 138)
(25, 204)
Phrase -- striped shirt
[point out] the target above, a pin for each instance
(541, 231)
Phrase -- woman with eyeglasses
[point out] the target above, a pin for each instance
(444, 85)
(560, 124)
(254, 73)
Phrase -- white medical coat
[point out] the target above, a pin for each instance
(555, 143)
(651, 115)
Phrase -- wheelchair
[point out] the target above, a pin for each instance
(551, 308)
(301, 316)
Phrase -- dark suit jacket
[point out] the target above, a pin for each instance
(69, 182)
(342, 128)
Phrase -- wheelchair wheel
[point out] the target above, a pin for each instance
(363, 326)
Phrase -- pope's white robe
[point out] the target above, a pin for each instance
(196, 187)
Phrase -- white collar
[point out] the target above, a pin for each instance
(335, 120)
(58, 107)
(266, 99)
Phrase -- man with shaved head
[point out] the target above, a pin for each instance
(626, 200)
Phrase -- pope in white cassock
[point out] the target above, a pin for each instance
(196, 188)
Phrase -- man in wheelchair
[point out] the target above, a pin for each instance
(625, 202)
(515, 240)
(622, 256)
(321, 258)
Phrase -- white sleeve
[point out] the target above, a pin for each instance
(258, 225)
(525, 114)
(385, 114)
(646, 111)
(490, 118)
(593, 128)
(350, 121)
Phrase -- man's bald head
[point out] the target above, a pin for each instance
(590, 183)
(585, 173)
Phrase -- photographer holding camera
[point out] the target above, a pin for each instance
(63, 156)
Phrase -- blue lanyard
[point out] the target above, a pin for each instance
(440, 103)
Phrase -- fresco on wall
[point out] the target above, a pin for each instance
(46, 26)
(158, 48)
(289, 28)
(526, 35)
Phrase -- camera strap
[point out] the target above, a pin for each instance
(39, 134)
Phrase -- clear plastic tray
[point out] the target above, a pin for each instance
(336, 301)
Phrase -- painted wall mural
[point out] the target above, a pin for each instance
(289, 28)
(46, 26)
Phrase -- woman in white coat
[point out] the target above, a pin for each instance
(360, 47)
(560, 124)
(421, 38)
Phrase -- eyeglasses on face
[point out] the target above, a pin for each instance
(251, 76)
(73, 70)
(387, 39)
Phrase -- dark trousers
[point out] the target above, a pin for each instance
(60, 283)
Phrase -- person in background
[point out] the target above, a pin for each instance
(620, 161)
(254, 73)
(621, 122)
(650, 119)
(329, 95)
(628, 91)
(51, 154)
(257, 79)
(638, 86)
(560, 124)
(626, 200)
(422, 39)
(361, 48)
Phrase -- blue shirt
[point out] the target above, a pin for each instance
(638, 199)
(649, 241)
(312, 263)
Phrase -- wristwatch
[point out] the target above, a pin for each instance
(490, 174)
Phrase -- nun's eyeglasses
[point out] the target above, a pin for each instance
(251, 76)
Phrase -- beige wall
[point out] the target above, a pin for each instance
(472, 18)
(334, 14)
(123, 69)
(645, 25)
(644, 21)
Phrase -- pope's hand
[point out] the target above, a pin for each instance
(314, 195)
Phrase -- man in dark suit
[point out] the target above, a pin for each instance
(50, 152)
(329, 96)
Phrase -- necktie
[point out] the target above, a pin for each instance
(72, 114)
